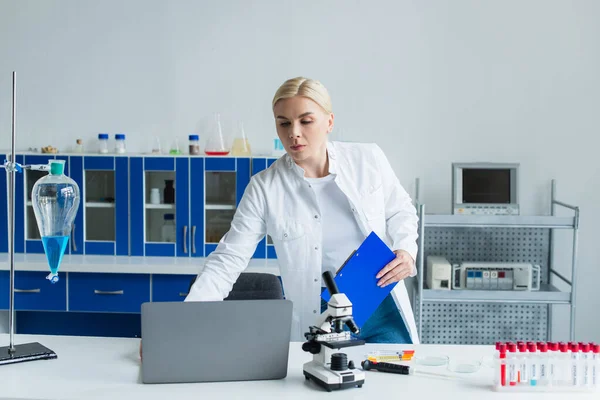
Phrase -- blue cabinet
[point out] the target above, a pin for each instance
(265, 248)
(170, 287)
(160, 227)
(98, 292)
(102, 221)
(34, 292)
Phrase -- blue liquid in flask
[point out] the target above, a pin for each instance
(55, 247)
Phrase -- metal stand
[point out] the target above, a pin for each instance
(30, 351)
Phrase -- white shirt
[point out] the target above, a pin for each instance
(279, 201)
(341, 233)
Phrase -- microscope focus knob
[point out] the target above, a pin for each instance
(339, 362)
(311, 347)
(351, 365)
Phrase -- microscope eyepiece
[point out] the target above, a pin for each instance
(352, 326)
(330, 283)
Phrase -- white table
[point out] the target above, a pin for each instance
(109, 368)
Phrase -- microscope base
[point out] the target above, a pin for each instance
(333, 380)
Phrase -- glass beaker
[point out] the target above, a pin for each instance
(55, 199)
(241, 145)
(215, 143)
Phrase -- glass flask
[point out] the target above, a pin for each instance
(241, 145)
(55, 199)
(215, 143)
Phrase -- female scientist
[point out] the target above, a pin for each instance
(318, 203)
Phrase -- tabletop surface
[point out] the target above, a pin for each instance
(93, 368)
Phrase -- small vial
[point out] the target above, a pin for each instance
(543, 358)
(502, 363)
(586, 365)
(552, 356)
(512, 364)
(596, 366)
(120, 143)
(522, 375)
(563, 364)
(533, 363)
(103, 143)
(575, 364)
(194, 145)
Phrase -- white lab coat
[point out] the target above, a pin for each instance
(281, 203)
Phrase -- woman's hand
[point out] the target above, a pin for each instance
(397, 269)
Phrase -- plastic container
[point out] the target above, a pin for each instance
(194, 145)
(278, 149)
(103, 143)
(463, 365)
(120, 143)
(154, 196)
(55, 199)
(167, 231)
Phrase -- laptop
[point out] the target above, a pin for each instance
(233, 340)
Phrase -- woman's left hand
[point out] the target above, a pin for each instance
(397, 269)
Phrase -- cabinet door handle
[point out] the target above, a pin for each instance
(27, 290)
(73, 244)
(194, 239)
(182, 294)
(185, 239)
(108, 292)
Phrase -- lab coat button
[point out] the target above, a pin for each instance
(316, 280)
(314, 311)
(285, 235)
(316, 217)
(316, 247)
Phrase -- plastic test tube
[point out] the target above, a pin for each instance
(563, 364)
(586, 376)
(533, 363)
(575, 364)
(502, 350)
(544, 378)
(552, 357)
(596, 366)
(512, 364)
(522, 375)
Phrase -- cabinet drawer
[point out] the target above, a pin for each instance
(170, 287)
(34, 292)
(108, 292)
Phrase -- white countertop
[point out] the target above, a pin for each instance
(109, 368)
(125, 264)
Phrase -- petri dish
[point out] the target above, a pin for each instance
(432, 361)
(463, 365)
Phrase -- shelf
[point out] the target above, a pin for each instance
(160, 206)
(546, 294)
(96, 204)
(219, 207)
(506, 221)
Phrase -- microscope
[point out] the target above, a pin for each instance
(331, 369)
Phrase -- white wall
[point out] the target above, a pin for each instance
(431, 82)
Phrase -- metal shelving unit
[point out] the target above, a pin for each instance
(548, 293)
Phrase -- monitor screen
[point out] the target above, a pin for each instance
(486, 186)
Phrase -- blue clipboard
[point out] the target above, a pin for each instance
(356, 278)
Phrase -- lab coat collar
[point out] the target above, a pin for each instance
(299, 171)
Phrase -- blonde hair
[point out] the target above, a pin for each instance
(304, 87)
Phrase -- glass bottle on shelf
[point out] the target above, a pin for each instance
(168, 231)
(241, 145)
(169, 192)
(215, 144)
(120, 143)
(103, 143)
(194, 144)
(55, 199)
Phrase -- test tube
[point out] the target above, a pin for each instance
(563, 364)
(552, 357)
(575, 364)
(596, 366)
(543, 361)
(533, 363)
(512, 364)
(502, 350)
(585, 365)
(522, 375)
